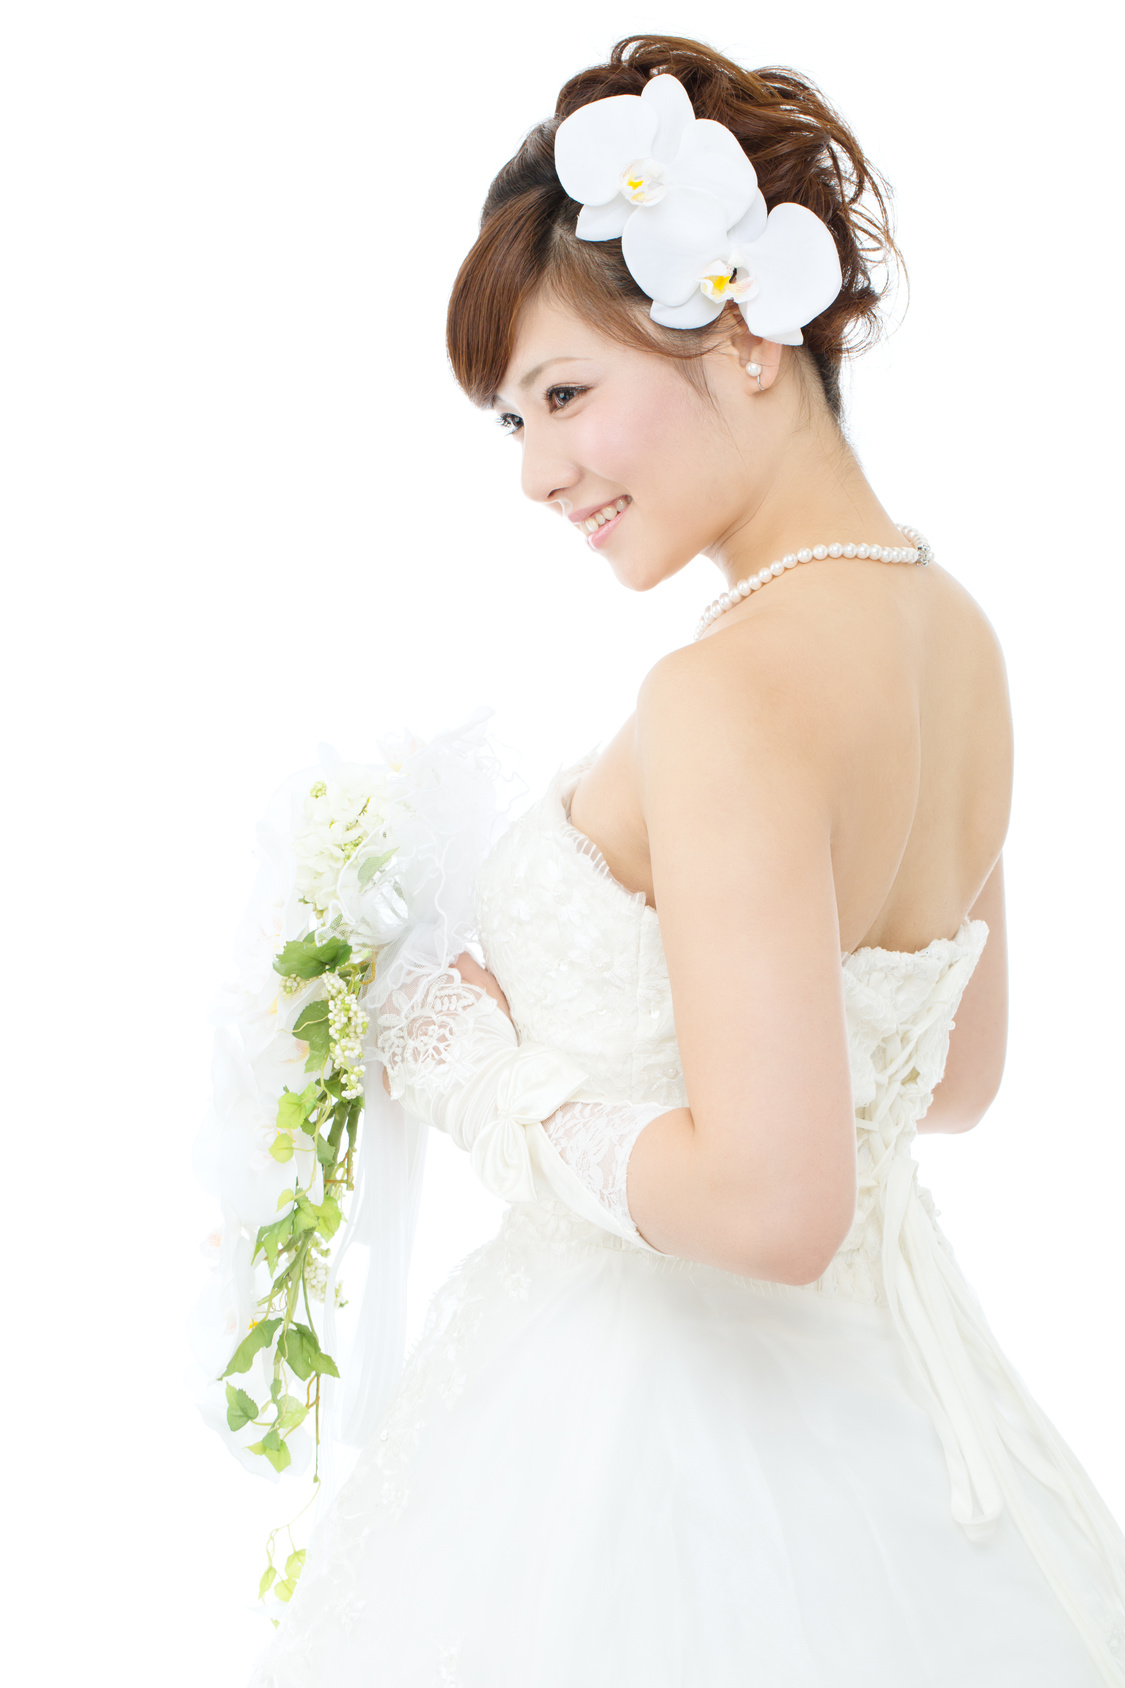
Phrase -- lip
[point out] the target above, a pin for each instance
(594, 539)
(597, 538)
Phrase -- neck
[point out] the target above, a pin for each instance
(814, 492)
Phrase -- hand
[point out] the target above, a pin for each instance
(474, 974)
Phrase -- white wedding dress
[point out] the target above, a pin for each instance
(608, 1468)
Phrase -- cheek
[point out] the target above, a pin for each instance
(677, 468)
(641, 437)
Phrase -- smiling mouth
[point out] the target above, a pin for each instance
(596, 527)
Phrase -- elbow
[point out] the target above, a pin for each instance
(795, 1247)
(801, 1261)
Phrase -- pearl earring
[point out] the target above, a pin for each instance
(756, 370)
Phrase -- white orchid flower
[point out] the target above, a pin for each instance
(684, 198)
(633, 151)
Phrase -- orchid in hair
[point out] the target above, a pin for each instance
(684, 199)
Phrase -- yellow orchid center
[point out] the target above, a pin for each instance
(725, 279)
(642, 182)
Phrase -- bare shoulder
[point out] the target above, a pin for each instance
(769, 683)
(829, 657)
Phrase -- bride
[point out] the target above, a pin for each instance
(715, 1406)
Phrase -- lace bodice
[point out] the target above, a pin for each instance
(579, 957)
(581, 962)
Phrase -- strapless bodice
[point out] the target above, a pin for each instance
(581, 961)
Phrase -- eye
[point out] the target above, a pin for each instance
(559, 397)
(557, 400)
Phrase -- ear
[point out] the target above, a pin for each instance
(751, 348)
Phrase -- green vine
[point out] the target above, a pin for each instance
(324, 1118)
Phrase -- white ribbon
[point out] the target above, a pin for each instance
(955, 1358)
(531, 1084)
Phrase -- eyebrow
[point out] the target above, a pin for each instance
(533, 374)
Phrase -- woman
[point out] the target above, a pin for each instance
(715, 1406)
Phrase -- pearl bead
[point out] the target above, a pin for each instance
(915, 552)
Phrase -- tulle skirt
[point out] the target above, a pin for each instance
(612, 1470)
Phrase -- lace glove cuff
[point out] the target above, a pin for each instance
(595, 1139)
(454, 1061)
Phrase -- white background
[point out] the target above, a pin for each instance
(248, 511)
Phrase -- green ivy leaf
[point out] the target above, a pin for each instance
(291, 1411)
(297, 1352)
(329, 1216)
(294, 1107)
(306, 1216)
(282, 1147)
(260, 1337)
(273, 1238)
(325, 1153)
(266, 1583)
(302, 1353)
(274, 1449)
(284, 1588)
(295, 1564)
(285, 1198)
(304, 958)
(240, 1408)
(371, 865)
(312, 1025)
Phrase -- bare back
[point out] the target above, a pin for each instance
(898, 683)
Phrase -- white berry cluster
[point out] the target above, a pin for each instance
(347, 1024)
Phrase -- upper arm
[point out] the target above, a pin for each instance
(738, 811)
(978, 1043)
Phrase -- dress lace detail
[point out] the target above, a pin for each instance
(584, 956)
(581, 963)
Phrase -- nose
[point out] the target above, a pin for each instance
(545, 474)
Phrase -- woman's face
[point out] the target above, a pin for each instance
(610, 429)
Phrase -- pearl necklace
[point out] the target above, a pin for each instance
(918, 551)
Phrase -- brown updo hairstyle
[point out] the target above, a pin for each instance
(802, 152)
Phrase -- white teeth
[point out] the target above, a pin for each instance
(604, 515)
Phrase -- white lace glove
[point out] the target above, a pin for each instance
(454, 1061)
(595, 1139)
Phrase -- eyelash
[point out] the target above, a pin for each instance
(513, 424)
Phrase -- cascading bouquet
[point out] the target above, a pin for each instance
(365, 870)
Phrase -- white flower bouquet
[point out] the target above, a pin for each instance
(362, 866)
